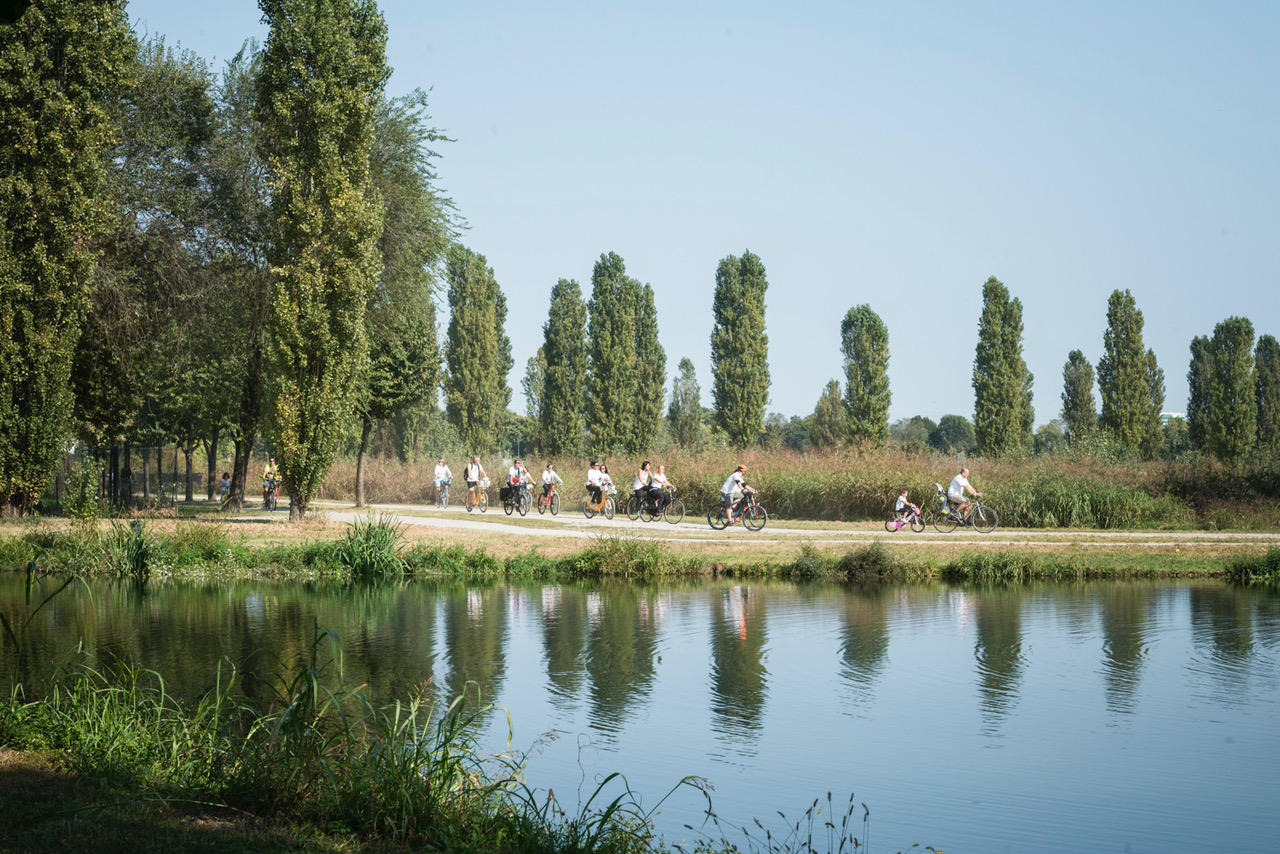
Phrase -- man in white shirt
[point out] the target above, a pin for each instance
(473, 474)
(734, 488)
(956, 492)
(441, 475)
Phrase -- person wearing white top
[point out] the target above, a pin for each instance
(956, 492)
(735, 486)
(473, 474)
(442, 474)
(642, 479)
(549, 479)
(664, 487)
(517, 474)
(594, 482)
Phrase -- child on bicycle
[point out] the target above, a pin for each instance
(224, 486)
(902, 506)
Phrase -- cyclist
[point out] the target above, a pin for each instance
(518, 475)
(549, 480)
(643, 486)
(594, 483)
(442, 476)
(224, 486)
(664, 487)
(902, 505)
(606, 482)
(955, 494)
(270, 475)
(473, 474)
(735, 489)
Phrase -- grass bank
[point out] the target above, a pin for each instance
(1052, 491)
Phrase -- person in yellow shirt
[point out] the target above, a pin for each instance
(270, 478)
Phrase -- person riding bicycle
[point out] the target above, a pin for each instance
(606, 482)
(518, 476)
(956, 494)
(473, 474)
(224, 486)
(594, 483)
(902, 505)
(664, 486)
(270, 478)
(549, 480)
(735, 491)
(643, 487)
(442, 476)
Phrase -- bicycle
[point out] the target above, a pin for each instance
(981, 518)
(549, 501)
(606, 506)
(646, 510)
(752, 516)
(271, 486)
(516, 498)
(912, 518)
(442, 497)
(477, 498)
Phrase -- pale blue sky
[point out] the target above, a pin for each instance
(893, 154)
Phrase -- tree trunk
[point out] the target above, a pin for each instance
(126, 477)
(240, 473)
(175, 473)
(360, 457)
(146, 474)
(297, 509)
(159, 471)
(113, 475)
(189, 451)
(211, 458)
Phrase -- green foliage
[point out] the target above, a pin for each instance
(562, 406)
(477, 352)
(1264, 567)
(535, 378)
(1198, 378)
(1231, 416)
(1002, 412)
(740, 349)
(1177, 440)
(1266, 383)
(61, 64)
(131, 551)
(1050, 439)
(830, 424)
(954, 435)
(321, 82)
(684, 414)
(371, 549)
(915, 429)
(612, 371)
(651, 377)
(1123, 373)
(864, 341)
(81, 503)
(1153, 434)
(1078, 409)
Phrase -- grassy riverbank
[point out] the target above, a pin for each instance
(374, 549)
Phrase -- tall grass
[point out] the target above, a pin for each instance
(371, 549)
(1066, 491)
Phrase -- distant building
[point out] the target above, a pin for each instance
(1165, 417)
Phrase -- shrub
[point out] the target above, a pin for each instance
(371, 549)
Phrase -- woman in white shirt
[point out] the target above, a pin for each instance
(593, 482)
(442, 474)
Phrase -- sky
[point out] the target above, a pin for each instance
(894, 154)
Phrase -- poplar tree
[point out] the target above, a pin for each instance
(323, 70)
(611, 367)
(864, 341)
(1266, 381)
(1122, 373)
(1153, 435)
(829, 425)
(1078, 409)
(477, 351)
(535, 377)
(61, 64)
(562, 406)
(651, 376)
(1198, 373)
(684, 415)
(740, 349)
(1231, 423)
(1002, 417)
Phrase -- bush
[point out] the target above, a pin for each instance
(371, 549)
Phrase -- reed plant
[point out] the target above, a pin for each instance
(1248, 568)
(371, 549)
(132, 551)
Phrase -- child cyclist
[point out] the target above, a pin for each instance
(902, 507)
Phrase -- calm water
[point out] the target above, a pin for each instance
(1057, 717)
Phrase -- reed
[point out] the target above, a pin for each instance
(371, 549)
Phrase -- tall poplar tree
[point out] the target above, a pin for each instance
(1078, 408)
(1266, 382)
(1153, 436)
(322, 76)
(740, 349)
(1122, 373)
(477, 351)
(61, 64)
(864, 341)
(1002, 416)
(830, 423)
(611, 368)
(684, 415)
(651, 376)
(562, 407)
(1198, 379)
(1231, 425)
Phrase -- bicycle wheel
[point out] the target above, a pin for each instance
(483, 502)
(523, 500)
(892, 524)
(674, 512)
(555, 503)
(587, 509)
(609, 507)
(633, 508)
(469, 501)
(755, 517)
(716, 518)
(444, 498)
(542, 506)
(648, 510)
(508, 506)
(984, 519)
(917, 524)
(945, 521)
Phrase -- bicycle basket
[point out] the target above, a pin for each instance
(484, 483)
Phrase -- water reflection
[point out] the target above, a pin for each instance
(997, 615)
(1125, 610)
(564, 640)
(864, 631)
(475, 633)
(622, 642)
(738, 675)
